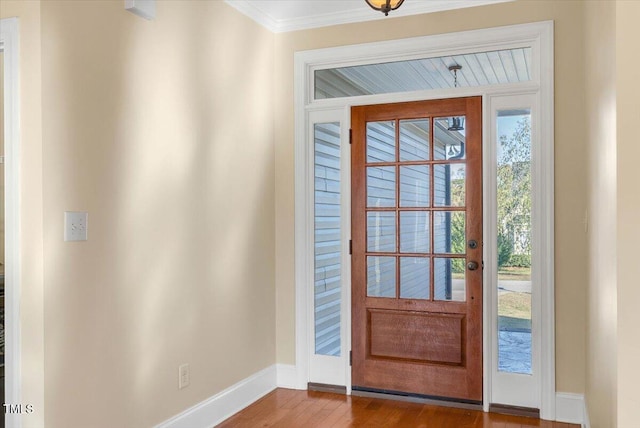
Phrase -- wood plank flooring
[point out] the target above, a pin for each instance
(291, 408)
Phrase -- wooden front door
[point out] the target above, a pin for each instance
(417, 248)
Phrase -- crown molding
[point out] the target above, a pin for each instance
(275, 25)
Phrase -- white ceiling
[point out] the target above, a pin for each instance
(291, 15)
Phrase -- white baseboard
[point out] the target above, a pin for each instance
(287, 376)
(570, 408)
(224, 404)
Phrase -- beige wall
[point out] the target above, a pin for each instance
(31, 254)
(600, 70)
(628, 118)
(162, 130)
(570, 156)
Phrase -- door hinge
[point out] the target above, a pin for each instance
(350, 136)
(350, 247)
(350, 358)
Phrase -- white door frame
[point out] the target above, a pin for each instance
(537, 35)
(9, 44)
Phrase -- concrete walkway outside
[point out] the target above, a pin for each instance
(514, 337)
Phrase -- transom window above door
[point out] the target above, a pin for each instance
(477, 69)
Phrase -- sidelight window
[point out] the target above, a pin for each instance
(327, 238)
(514, 240)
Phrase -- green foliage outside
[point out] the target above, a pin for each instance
(514, 196)
(519, 260)
(458, 244)
(514, 200)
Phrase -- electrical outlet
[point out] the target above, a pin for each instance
(76, 225)
(184, 376)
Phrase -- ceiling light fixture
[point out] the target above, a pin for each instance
(384, 6)
(454, 69)
(456, 123)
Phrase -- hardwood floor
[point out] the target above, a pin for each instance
(291, 408)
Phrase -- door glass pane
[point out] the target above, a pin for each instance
(449, 279)
(414, 232)
(381, 276)
(414, 140)
(449, 184)
(449, 232)
(414, 186)
(449, 138)
(381, 232)
(414, 278)
(381, 141)
(381, 186)
(327, 254)
(514, 240)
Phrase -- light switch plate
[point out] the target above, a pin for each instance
(75, 226)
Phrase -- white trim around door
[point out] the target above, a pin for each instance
(9, 44)
(538, 36)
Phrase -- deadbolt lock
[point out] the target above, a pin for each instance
(473, 244)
